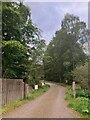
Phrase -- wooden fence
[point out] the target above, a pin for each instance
(12, 90)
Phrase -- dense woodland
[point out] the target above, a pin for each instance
(22, 47)
(66, 52)
(26, 56)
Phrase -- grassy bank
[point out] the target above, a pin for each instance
(80, 103)
(31, 96)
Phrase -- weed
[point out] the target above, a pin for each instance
(80, 103)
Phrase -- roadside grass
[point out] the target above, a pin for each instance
(30, 97)
(80, 103)
(38, 92)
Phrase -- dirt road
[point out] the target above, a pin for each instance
(49, 105)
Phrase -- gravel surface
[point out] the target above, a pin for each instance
(49, 105)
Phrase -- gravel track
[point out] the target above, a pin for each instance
(49, 105)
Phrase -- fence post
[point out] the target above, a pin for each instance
(24, 80)
(6, 91)
(74, 89)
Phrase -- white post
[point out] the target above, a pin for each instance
(36, 87)
(74, 89)
(42, 83)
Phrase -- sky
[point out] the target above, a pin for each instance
(48, 15)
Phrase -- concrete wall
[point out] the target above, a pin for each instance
(12, 90)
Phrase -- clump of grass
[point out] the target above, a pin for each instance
(69, 93)
(13, 105)
(31, 96)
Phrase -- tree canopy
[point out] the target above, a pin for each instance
(65, 51)
(22, 47)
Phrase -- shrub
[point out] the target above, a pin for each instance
(80, 74)
(82, 93)
(82, 101)
(80, 104)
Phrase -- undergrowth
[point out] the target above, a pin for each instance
(80, 103)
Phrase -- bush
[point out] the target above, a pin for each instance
(80, 104)
(82, 93)
(80, 74)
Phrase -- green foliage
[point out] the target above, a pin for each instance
(11, 20)
(69, 77)
(17, 23)
(23, 47)
(81, 102)
(81, 75)
(82, 93)
(65, 52)
(74, 26)
(14, 59)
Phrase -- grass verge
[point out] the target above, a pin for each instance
(30, 97)
(80, 104)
